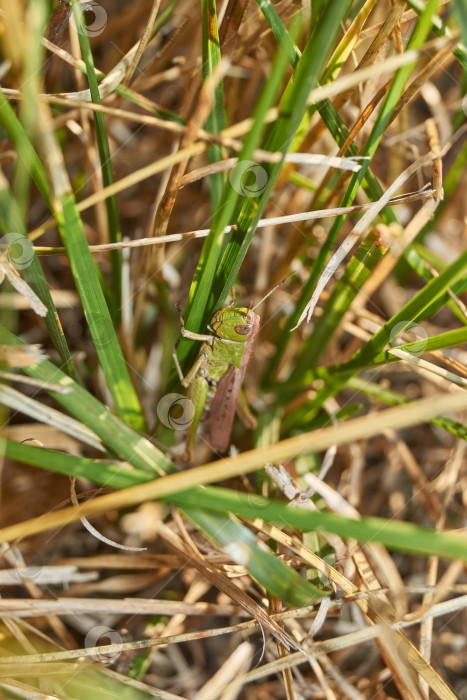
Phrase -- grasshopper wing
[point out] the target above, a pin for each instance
(222, 409)
(224, 403)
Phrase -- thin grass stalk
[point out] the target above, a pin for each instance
(114, 232)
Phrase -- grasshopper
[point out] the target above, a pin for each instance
(216, 378)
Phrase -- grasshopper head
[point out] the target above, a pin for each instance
(235, 323)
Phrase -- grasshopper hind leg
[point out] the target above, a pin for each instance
(197, 393)
(177, 367)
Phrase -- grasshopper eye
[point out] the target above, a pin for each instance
(243, 328)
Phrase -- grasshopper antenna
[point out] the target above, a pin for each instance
(234, 296)
(273, 290)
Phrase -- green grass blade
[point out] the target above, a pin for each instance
(100, 472)
(413, 310)
(372, 189)
(393, 398)
(440, 29)
(97, 314)
(197, 310)
(283, 37)
(28, 264)
(340, 133)
(357, 272)
(403, 319)
(304, 418)
(28, 406)
(460, 11)
(437, 342)
(292, 107)
(394, 534)
(394, 93)
(279, 579)
(270, 571)
(115, 234)
(115, 433)
(338, 375)
(24, 148)
(216, 120)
